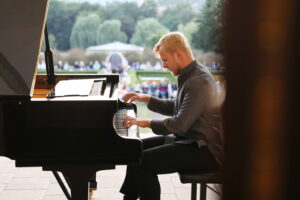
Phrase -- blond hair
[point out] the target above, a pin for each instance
(171, 42)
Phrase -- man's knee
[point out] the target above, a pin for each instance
(153, 142)
(148, 161)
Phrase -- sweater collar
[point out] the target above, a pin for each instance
(185, 72)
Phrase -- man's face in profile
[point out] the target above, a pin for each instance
(169, 61)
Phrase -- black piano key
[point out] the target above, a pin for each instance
(118, 120)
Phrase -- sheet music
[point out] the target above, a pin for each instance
(80, 87)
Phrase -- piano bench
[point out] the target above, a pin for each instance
(202, 178)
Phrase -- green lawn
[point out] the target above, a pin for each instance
(144, 113)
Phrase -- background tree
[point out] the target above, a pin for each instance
(209, 34)
(75, 55)
(84, 32)
(168, 2)
(127, 13)
(61, 18)
(148, 9)
(86, 8)
(110, 31)
(146, 30)
(182, 13)
(154, 39)
(188, 30)
(52, 42)
(60, 21)
(95, 57)
(146, 56)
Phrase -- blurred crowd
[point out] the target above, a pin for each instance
(161, 89)
(116, 63)
(108, 67)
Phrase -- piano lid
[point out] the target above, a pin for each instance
(21, 30)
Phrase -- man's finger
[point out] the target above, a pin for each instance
(132, 99)
(126, 98)
(128, 118)
(126, 123)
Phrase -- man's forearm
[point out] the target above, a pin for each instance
(145, 98)
(143, 123)
(132, 96)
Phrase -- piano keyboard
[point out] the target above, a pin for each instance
(118, 120)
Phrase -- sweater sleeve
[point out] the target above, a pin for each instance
(193, 104)
(162, 106)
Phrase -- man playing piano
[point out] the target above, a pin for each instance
(190, 139)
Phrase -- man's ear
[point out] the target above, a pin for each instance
(178, 54)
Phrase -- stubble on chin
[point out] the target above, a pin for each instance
(174, 73)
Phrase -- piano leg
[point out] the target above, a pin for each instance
(79, 187)
(79, 178)
(93, 184)
(62, 185)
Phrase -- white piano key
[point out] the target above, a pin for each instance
(118, 120)
(132, 131)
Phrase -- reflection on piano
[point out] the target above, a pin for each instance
(11, 77)
(53, 127)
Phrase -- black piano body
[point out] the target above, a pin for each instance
(65, 130)
(72, 134)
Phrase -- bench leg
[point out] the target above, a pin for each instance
(203, 191)
(194, 191)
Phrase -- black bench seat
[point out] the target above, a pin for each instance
(202, 178)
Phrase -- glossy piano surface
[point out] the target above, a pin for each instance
(69, 130)
(39, 124)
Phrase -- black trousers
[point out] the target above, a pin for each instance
(141, 181)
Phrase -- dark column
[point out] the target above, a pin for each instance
(261, 112)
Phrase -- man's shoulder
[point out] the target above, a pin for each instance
(200, 74)
(196, 82)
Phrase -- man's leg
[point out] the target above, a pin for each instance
(171, 158)
(130, 187)
(168, 158)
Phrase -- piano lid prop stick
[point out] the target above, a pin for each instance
(49, 60)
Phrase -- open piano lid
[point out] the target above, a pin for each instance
(21, 30)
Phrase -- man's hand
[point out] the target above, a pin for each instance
(132, 96)
(130, 121)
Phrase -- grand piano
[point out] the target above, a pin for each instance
(66, 123)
